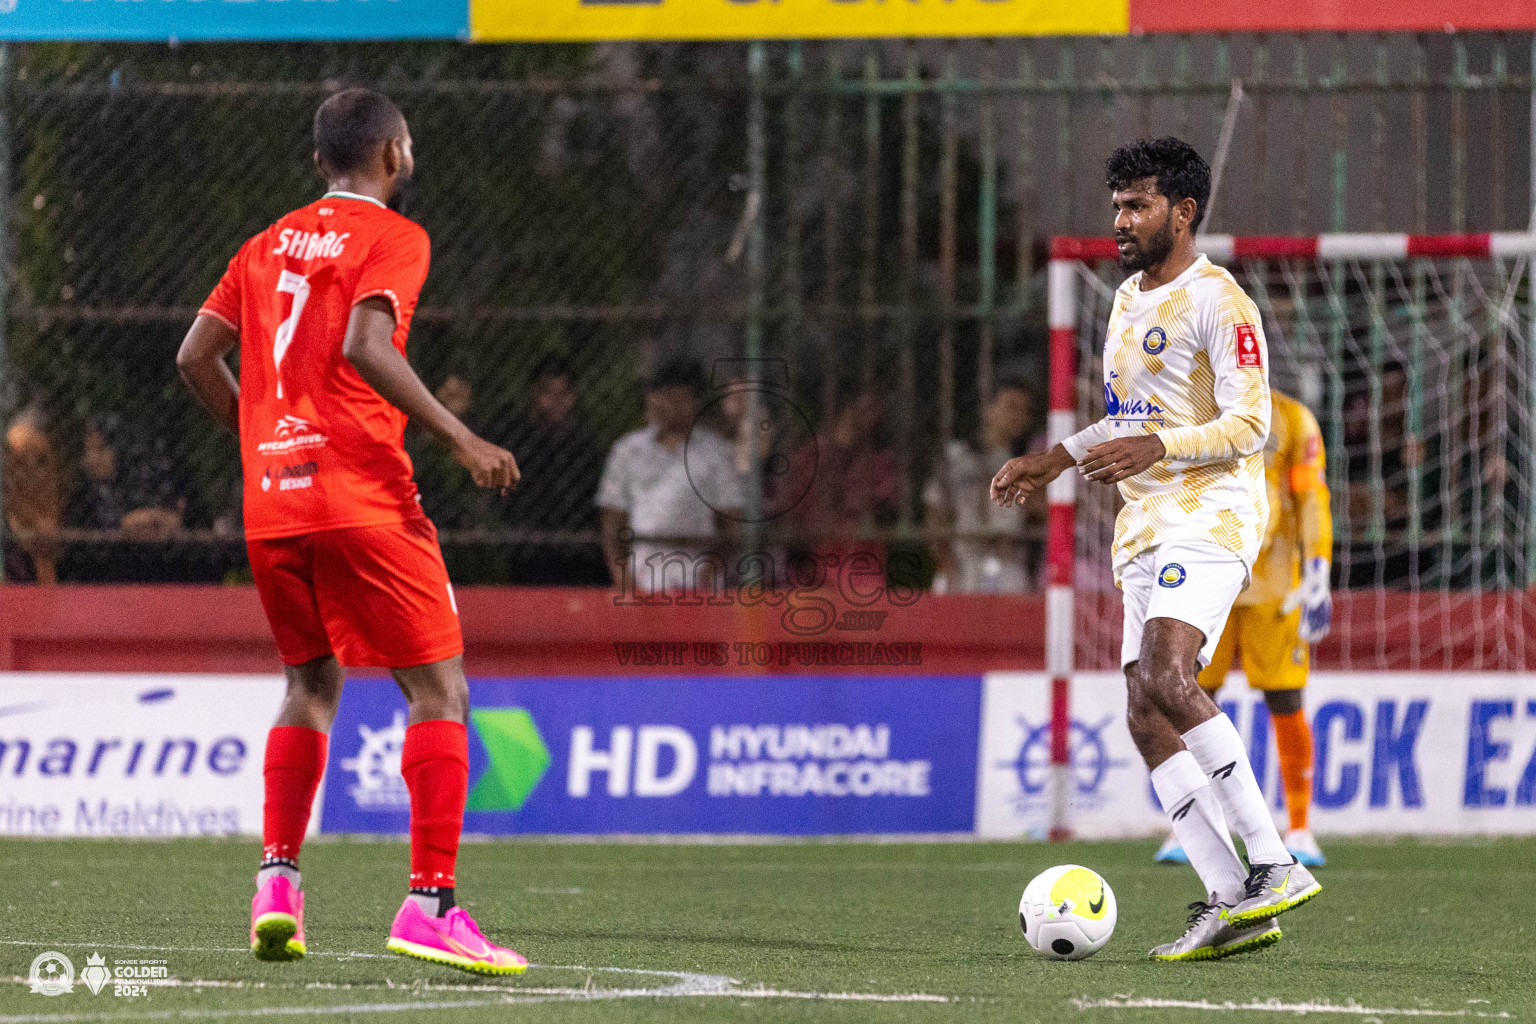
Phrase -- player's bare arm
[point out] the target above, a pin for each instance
(370, 348)
(1123, 458)
(200, 360)
(1021, 477)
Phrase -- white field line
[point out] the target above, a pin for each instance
(509, 998)
(1270, 1006)
(685, 984)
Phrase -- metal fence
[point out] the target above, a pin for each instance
(864, 222)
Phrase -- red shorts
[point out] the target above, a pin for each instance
(375, 596)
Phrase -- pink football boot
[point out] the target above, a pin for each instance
(277, 921)
(453, 939)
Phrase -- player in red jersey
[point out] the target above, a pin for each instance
(347, 564)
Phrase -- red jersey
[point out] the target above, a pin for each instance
(320, 449)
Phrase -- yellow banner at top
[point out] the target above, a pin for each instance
(570, 20)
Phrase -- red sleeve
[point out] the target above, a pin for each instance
(396, 268)
(224, 303)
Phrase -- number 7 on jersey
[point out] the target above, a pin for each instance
(297, 286)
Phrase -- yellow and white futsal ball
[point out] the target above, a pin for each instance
(1068, 912)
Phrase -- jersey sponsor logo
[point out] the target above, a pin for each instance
(1154, 341)
(292, 478)
(1171, 575)
(1249, 356)
(309, 245)
(291, 434)
(1135, 410)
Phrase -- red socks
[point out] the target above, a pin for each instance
(435, 764)
(294, 762)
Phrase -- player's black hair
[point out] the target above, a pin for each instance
(350, 126)
(1181, 173)
(680, 372)
(551, 366)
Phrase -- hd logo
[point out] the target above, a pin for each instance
(518, 759)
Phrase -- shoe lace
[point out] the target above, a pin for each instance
(1258, 875)
(469, 923)
(1200, 908)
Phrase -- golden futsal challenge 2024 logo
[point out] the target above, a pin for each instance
(53, 974)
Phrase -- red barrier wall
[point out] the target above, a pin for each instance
(524, 630)
(583, 631)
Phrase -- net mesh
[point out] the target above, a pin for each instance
(1420, 373)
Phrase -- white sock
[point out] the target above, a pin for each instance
(1221, 755)
(1195, 812)
(266, 875)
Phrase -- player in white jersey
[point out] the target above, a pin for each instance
(1186, 388)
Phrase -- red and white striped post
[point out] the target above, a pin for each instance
(1061, 542)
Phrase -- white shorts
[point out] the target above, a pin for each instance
(1192, 581)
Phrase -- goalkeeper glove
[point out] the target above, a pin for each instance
(1314, 599)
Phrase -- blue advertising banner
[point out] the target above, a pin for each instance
(761, 755)
(158, 20)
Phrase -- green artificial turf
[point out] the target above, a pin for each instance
(1404, 926)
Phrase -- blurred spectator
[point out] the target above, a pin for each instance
(977, 545)
(1492, 475)
(561, 465)
(448, 493)
(31, 493)
(127, 482)
(1378, 466)
(731, 410)
(229, 524)
(674, 484)
(848, 476)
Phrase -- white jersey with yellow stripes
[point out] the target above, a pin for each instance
(1188, 361)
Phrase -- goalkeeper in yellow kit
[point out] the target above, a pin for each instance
(1285, 609)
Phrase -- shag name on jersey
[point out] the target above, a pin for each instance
(309, 245)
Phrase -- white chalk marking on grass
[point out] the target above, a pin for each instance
(343, 986)
(260, 1011)
(244, 950)
(509, 996)
(569, 891)
(1270, 1006)
(685, 985)
(852, 997)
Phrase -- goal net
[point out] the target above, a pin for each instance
(1416, 355)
